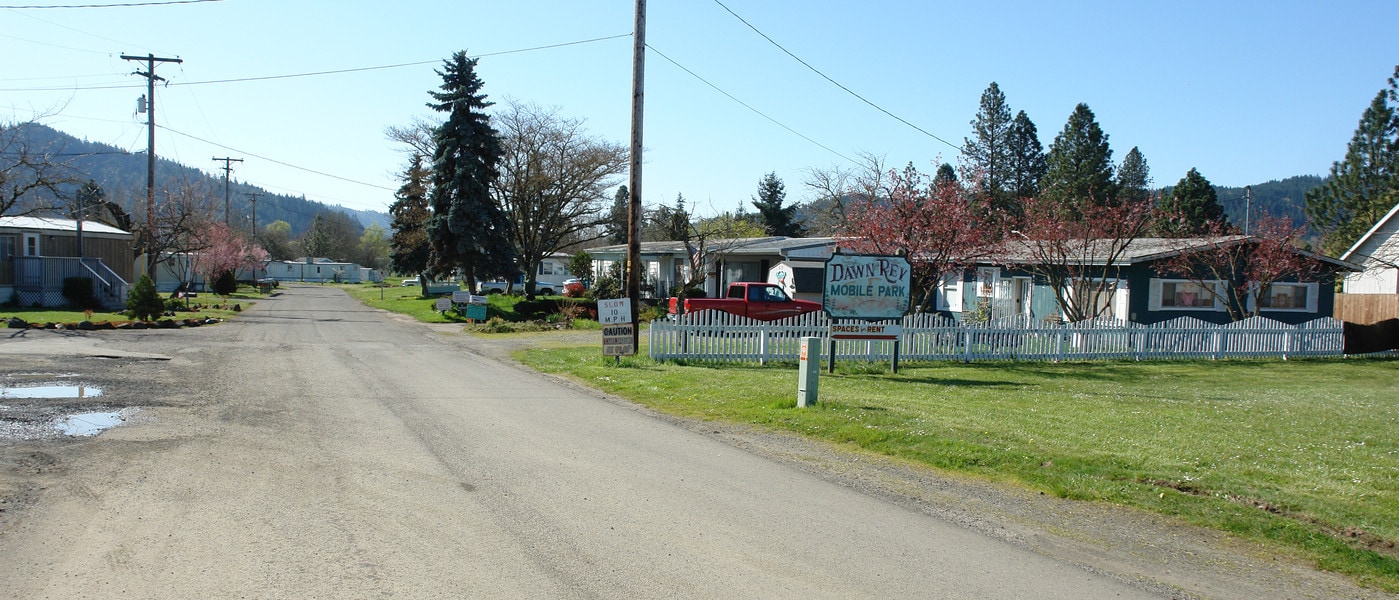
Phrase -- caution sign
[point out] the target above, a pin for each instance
(617, 339)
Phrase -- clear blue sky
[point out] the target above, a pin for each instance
(1244, 91)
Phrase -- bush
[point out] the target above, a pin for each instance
(225, 284)
(143, 302)
(574, 290)
(78, 292)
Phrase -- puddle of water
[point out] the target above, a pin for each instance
(93, 423)
(51, 391)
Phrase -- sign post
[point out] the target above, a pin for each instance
(618, 330)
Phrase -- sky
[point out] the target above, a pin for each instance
(1246, 92)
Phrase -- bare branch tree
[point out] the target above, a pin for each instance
(553, 182)
(33, 178)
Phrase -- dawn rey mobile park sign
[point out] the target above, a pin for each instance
(863, 286)
(862, 294)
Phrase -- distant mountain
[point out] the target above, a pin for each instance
(122, 176)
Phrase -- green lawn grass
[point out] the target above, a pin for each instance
(1302, 456)
(208, 305)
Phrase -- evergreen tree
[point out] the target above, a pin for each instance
(1080, 164)
(989, 155)
(946, 175)
(619, 217)
(677, 224)
(1027, 161)
(1133, 178)
(409, 248)
(468, 230)
(143, 301)
(1365, 186)
(775, 218)
(1192, 208)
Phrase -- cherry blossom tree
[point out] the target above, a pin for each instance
(221, 250)
(934, 225)
(1077, 248)
(1231, 268)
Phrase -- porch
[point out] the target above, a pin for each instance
(38, 281)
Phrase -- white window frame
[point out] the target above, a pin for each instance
(1155, 304)
(950, 293)
(986, 278)
(1312, 290)
(1120, 304)
(32, 244)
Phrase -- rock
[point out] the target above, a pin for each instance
(16, 323)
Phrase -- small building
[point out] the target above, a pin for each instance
(38, 253)
(314, 270)
(725, 261)
(1377, 252)
(1005, 286)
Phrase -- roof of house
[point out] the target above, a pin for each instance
(1367, 238)
(1140, 250)
(51, 224)
(733, 246)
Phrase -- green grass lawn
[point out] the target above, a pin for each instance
(1302, 456)
(204, 305)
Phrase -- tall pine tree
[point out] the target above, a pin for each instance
(619, 216)
(1365, 186)
(1133, 178)
(409, 248)
(989, 156)
(1027, 160)
(1080, 169)
(468, 231)
(1193, 208)
(776, 219)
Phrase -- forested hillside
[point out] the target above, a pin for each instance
(122, 176)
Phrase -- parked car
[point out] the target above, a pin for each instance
(410, 281)
(542, 288)
(761, 301)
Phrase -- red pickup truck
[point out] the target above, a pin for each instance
(761, 301)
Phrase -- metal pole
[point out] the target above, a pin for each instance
(638, 87)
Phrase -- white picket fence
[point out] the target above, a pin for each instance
(714, 336)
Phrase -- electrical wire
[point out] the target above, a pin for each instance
(121, 5)
(275, 161)
(317, 73)
(746, 105)
(834, 82)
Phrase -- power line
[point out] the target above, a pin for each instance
(746, 105)
(122, 5)
(273, 160)
(833, 82)
(319, 73)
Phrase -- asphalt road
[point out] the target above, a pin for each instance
(316, 448)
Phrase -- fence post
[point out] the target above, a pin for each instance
(1218, 342)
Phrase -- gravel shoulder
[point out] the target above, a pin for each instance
(1175, 559)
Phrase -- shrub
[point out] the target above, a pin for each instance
(225, 284)
(574, 290)
(78, 292)
(143, 302)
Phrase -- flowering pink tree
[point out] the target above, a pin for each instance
(1078, 249)
(935, 226)
(221, 250)
(1230, 267)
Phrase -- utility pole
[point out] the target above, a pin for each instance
(227, 168)
(638, 87)
(151, 78)
(253, 196)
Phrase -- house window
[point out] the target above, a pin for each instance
(1289, 296)
(7, 248)
(950, 294)
(546, 267)
(1186, 294)
(31, 244)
